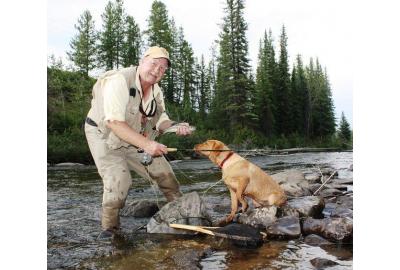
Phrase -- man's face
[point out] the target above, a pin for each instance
(152, 69)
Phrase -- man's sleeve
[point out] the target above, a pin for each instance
(116, 97)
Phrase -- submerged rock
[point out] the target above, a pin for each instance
(316, 240)
(308, 206)
(189, 258)
(140, 209)
(293, 182)
(336, 210)
(188, 209)
(336, 229)
(259, 217)
(321, 263)
(285, 228)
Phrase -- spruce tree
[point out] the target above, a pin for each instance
(106, 48)
(301, 99)
(83, 45)
(204, 90)
(159, 33)
(233, 99)
(263, 86)
(322, 108)
(119, 31)
(344, 131)
(132, 44)
(281, 91)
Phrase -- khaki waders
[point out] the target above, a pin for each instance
(114, 167)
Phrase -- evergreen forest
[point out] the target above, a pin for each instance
(276, 105)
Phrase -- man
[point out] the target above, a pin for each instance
(127, 112)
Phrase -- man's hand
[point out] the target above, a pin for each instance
(183, 129)
(155, 149)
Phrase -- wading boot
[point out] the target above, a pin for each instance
(107, 235)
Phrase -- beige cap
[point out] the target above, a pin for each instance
(158, 52)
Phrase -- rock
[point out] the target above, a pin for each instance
(316, 240)
(188, 209)
(189, 258)
(329, 192)
(140, 209)
(285, 228)
(343, 181)
(308, 206)
(293, 182)
(313, 178)
(259, 217)
(321, 263)
(345, 201)
(335, 229)
(339, 187)
(336, 210)
(328, 172)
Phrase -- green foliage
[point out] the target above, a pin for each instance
(68, 101)
(83, 45)
(344, 133)
(132, 44)
(276, 109)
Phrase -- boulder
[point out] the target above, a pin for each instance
(259, 217)
(140, 209)
(336, 210)
(335, 229)
(188, 209)
(313, 178)
(284, 228)
(316, 240)
(293, 182)
(308, 206)
(189, 258)
(321, 263)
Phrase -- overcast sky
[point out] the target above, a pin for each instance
(314, 29)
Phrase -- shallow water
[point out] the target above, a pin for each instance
(73, 213)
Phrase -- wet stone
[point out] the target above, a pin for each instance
(189, 258)
(321, 263)
(336, 210)
(313, 178)
(308, 206)
(285, 228)
(259, 217)
(293, 182)
(188, 209)
(140, 209)
(316, 240)
(334, 229)
(329, 192)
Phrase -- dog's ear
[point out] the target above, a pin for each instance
(215, 145)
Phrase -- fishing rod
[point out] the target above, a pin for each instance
(213, 150)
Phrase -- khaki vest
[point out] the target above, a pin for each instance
(132, 115)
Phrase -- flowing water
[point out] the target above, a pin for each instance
(73, 219)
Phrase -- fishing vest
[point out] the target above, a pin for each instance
(133, 116)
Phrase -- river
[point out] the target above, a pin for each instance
(73, 221)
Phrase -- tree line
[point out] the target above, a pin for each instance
(279, 106)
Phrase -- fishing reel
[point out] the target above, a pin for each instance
(146, 158)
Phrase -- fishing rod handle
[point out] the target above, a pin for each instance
(172, 149)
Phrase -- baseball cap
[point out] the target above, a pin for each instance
(158, 52)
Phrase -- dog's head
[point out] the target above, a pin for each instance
(210, 145)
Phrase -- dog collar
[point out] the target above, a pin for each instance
(225, 159)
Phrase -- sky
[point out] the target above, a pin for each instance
(317, 29)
